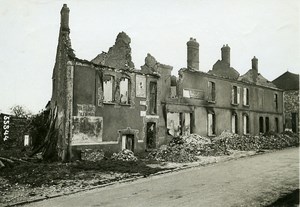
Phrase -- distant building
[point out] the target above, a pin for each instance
(107, 103)
(13, 130)
(289, 82)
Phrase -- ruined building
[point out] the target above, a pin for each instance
(107, 103)
(289, 83)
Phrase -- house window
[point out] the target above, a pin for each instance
(246, 129)
(276, 125)
(153, 98)
(211, 91)
(276, 101)
(267, 124)
(235, 95)
(234, 123)
(125, 91)
(261, 124)
(108, 88)
(211, 124)
(246, 97)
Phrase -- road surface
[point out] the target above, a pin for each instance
(251, 181)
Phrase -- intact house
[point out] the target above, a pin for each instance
(289, 82)
(107, 103)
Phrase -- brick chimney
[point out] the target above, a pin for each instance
(64, 18)
(192, 54)
(255, 68)
(225, 50)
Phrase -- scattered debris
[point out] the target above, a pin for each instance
(124, 155)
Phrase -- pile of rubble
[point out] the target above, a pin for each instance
(92, 155)
(124, 155)
(187, 148)
(183, 149)
(269, 141)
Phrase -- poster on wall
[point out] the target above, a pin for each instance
(87, 130)
(140, 86)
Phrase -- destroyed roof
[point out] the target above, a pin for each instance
(119, 55)
(287, 81)
(222, 69)
(249, 77)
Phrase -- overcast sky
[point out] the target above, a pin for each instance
(268, 29)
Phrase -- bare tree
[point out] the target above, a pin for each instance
(20, 111)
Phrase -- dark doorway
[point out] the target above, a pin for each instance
(294, 122)
(129, 142)
(261, 124)
(151, 134)
(267, 124)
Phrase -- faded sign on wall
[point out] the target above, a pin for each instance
(87, 130)
(86, 110)
(140, 86)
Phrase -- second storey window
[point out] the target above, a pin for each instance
(153, 98)
(125, 91)
(108, 88)
(246, 97)
(276, 101)
(211, 91)
(235, 94)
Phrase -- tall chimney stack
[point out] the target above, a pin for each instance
(255, 63)
(226, 54)
(64, 18)
(255, 68)
(192, 54)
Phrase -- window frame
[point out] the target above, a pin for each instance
(113, 79)
(211, 91)
(128, 91)
(246, 96)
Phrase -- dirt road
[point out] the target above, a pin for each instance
(252, 181)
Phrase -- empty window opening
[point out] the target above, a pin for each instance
(246, 97)
(211, 91)
(276, 101)
(234, 123)
(153, 98)
(151, 134)
(128, 142)
(173, 124)
(108, 88)
(246, 128)
(211, 124)
(276, 125)
(235, 95)
(267, 124)
(261, 124)
(125, 91)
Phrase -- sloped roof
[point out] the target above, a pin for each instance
(222, 69)
(287, 81)
(250, 77)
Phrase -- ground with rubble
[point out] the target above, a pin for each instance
(33, 179)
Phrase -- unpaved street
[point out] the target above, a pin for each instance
(252, 181)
